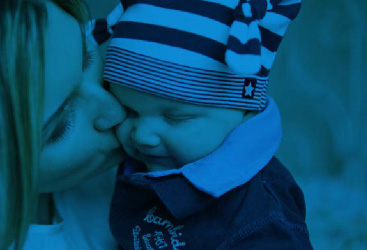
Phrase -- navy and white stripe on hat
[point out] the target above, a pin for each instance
(214, 52)
(97, 31)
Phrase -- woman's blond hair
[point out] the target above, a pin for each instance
(22, 35)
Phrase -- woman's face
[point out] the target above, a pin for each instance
(79, 114)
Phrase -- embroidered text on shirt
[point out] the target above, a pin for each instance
(173, 231)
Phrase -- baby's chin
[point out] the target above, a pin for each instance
(152, 167)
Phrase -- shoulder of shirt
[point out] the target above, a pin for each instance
(273, 232)
(275, 204)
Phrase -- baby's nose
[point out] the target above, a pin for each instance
(143, 135)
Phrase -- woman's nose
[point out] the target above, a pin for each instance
(143, 135)
(110, 112)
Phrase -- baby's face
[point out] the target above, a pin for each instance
(167, 134)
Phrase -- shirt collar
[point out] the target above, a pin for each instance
(178, 195)
(247, 149)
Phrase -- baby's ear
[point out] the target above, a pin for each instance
(247, 114)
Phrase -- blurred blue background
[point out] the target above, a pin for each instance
(319, 83)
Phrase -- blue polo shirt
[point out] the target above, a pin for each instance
(238, 197)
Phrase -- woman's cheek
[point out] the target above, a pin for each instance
(56, 165)
(123, 132)
(68, 156)
(63, 166)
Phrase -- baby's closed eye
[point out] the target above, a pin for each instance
(179, 117)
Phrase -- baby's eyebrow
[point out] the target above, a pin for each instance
(181, 109)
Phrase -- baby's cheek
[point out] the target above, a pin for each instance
(180, 149)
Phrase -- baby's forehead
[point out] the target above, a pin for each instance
(140, 100)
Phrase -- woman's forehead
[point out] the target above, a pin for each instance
(63, 57)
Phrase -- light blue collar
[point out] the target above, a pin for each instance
(241, 156)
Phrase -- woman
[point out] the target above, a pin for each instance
(56, 130)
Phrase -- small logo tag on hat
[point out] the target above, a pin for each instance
(249, 88)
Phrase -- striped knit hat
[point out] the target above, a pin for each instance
(213, 52)
(98, 31)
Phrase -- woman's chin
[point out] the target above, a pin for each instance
(113, 159)
(64, 181)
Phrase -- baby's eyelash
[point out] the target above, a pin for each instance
(178, 119)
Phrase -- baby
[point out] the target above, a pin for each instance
(201, 131)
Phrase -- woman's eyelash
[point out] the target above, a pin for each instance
(88, 58)
(64, 126)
